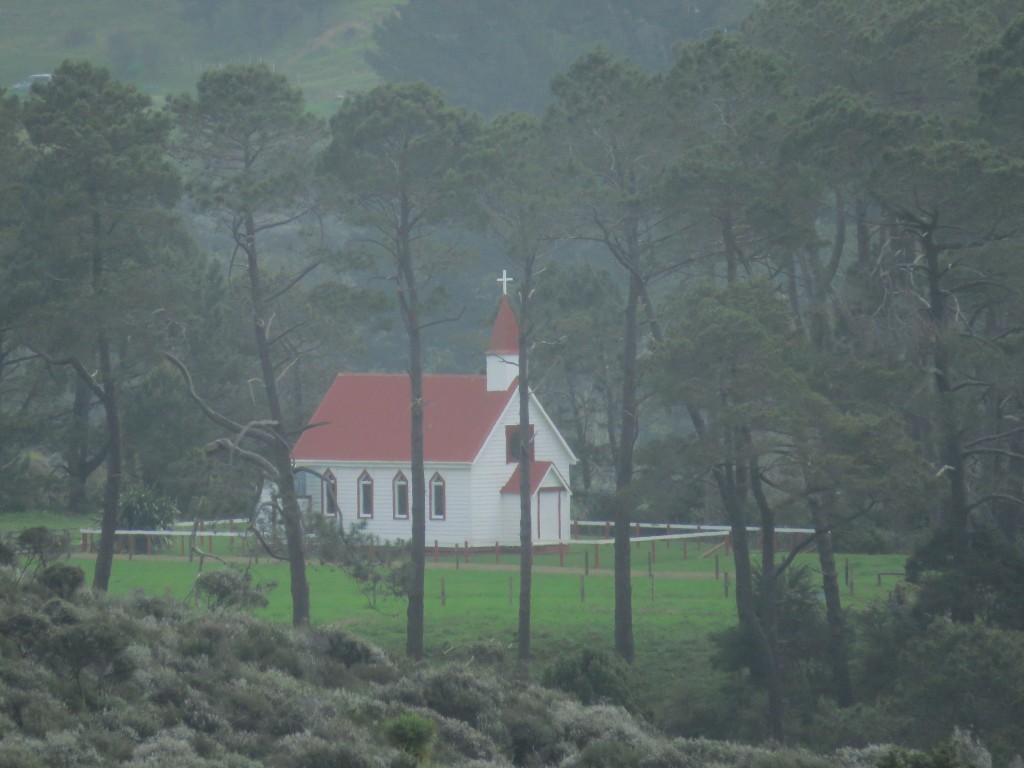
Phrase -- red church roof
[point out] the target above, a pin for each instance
(365, 417)
(505, 334)
(538, 471)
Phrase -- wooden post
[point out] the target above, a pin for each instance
(726, 583)
(650, 566)
(149, 544)
(575, 529)
(444, 592)
(607, 529)
(131, 547)
(456, 555)
(583, 590)
(85, 542)
(466, 551)
(586, 562)
(654, 551)
(717, 576)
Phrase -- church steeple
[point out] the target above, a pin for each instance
(503, 349)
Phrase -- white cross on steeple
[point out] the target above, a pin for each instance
(504, 280)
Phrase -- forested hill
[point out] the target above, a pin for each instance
(163, 45)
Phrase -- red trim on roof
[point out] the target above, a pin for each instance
(365, 417)
(538, 471)
(505, 334)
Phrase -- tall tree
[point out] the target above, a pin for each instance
(248, 143)
(100, 184)
(609, 119)
(392, 154)
(519, 194)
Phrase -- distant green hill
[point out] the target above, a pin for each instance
(163, 45)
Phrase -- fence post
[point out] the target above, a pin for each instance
(726, 583)
(444, 592)
(586, 562)
(466, 551)
(456, 555)
(717, 576)
(654, 551)
(583, 591)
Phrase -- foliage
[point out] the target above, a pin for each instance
(412, 734)
(594, 677)
(39, 548)
(230, 588)
(381, 569)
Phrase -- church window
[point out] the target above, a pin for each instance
(401, 497)
(438, 510)
(365, 495)
(329, 494)
(512, 444)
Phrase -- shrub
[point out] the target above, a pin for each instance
(231, 588)
(458, 694)
(594, 677)
(61, 579)
(534, 738)
(411, 733)
(40, 547)
(608, 754)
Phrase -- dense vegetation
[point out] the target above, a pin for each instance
(768, 279)
(146, 681)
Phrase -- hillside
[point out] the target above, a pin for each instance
(91, 681)
(163, 46)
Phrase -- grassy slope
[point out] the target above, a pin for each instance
(36, 35)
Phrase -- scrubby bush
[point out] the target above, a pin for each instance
(459, 694)
(62, 579)
(231, 588)
(411, 733)
(594, 677)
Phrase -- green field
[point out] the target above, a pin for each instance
(685, 596)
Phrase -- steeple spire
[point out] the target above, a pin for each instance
(503, 349)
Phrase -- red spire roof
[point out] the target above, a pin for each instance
(365, 417)
(505, 335)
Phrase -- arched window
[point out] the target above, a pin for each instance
(438, 507)
(365, 495)
(400, 496)
(329, 494)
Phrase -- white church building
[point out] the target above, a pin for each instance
(362, 446)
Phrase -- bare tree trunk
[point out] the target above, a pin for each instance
(525, 507)
(837, 650)
(112, 487)
(624, 645)
(281, 456)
